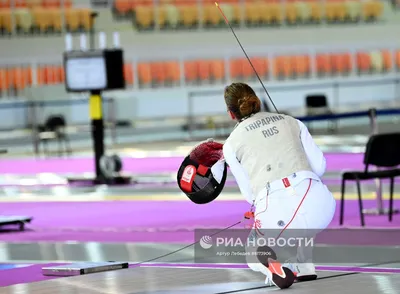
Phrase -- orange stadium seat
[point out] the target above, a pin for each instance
(191, 71)
(42, 19)
(335, 11)
(241, 68)
(5, 4)
(4, 81)
(61, 73)
(271, 13)
(51, 3)
(72, 19)
(85, 19)
(283, 68)
(20, 3)
(40, 75)
(49, 74)
(57, 3)
(68, 3)
(341, 11)
(291, 13)
(217, 69)
(397, 59)
(28, 74)
(301, 65)
(144, 74)
(235, 68)
(173, 72)
(204, 70)
(372, 9)
(323, 64)
(162, 17)
(158, 73)
(143, 3)
(123, 7)
(33, 3)
(252, 15)
(190, 15)
(55, 16)
(363, 62)
(17, 79)
(211, 15)
(316, 11)
(261, 66)
(387, 57)
(144, 16)
(6, 21)
(341, 63)
(247, 70)
(20, 77)
(128, 73)
(52, 75)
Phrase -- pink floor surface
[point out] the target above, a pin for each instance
(335, 162)
(144, 221)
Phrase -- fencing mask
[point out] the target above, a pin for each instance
(203, 172)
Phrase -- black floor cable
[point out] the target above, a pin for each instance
(319, 279)
(185, 247)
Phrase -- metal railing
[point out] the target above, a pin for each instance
(196, 110)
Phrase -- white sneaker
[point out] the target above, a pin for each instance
(303, 271)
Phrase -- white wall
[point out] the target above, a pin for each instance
(149, 45)
(153, 105)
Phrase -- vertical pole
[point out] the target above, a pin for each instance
(96, 116)
(113, 119)
(372, 121)
(378, 182)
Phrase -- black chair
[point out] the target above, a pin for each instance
(318, 105)
(54, 130)
(382, 151)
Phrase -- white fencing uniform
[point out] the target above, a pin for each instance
(278, 166)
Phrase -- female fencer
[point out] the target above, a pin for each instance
(277, 166)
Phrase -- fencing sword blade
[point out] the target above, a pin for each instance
(248, 59)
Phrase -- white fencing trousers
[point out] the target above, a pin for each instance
(307, 207)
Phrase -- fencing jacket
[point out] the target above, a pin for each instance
(267, 147)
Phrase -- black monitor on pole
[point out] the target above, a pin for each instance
(95, 71)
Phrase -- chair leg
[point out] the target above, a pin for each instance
(60, 148)
(360, 204)
(342, 202)
(68, 145)
(391, 199)
(45, 149)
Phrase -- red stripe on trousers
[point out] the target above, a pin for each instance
(298, 207)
